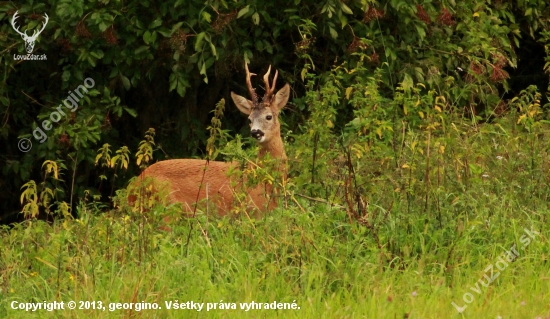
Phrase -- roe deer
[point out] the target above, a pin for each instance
(183, 177)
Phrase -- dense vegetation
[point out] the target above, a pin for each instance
(165, 66)
(417, 136)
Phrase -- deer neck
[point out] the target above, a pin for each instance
(274, 147)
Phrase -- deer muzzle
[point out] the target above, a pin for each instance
(257, 134)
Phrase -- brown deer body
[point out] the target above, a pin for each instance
(190, 181)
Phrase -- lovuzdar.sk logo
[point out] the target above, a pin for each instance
(29, 40)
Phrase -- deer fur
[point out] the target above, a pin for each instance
(191, 180)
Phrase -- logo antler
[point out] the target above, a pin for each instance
(29, 40)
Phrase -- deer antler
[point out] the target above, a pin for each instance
(14, 26)
(43, 26)
(35, 34)
(269, 89)
(252, 91)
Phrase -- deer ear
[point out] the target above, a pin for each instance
(281, 98)
(242, 103)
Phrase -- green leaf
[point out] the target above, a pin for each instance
(333, 32)
(155, 24)
(407, 83)
(181, 89)
(247, 55)
(243, 11)
(173, 82)
(103, 26)
(97, 54)
(125, 82)
(139, 24)
(259, 45)
(176, 26)
(130, 111)
(346, 9)
(209, 62)
(203, 68)
(268, 47)
(343, 20)
(213, 48)
(91, 61)
(198, 42)
(93, 92)
(206, 16)
(256, 18)
(141, 49)
(421, 31)
(66, 75)
(303, 74)
(147, 37)
(164, 32)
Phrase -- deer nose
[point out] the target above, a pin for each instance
(256, 134)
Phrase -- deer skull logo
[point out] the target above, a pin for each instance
(29, 40)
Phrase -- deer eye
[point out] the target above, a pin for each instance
(250, 121)
(269, 117)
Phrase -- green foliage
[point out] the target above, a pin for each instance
(30, 197)
(122, 158)
(217, 135)
(104, 155)
(151, 61)
(528, 105)
(50, 195)
(145, 151)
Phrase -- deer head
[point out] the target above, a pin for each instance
(264, 116)
(29, 41)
